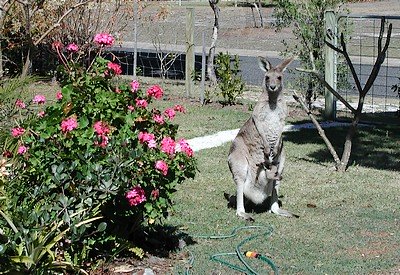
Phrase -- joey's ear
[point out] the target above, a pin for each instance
(282, 67)
(264, 64)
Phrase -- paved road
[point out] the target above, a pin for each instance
(252, 74)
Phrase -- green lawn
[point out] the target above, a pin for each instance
(349, 222)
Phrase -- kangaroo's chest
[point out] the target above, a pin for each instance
(272, 122)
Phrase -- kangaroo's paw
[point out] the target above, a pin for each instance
(245, 216)
(282, 212)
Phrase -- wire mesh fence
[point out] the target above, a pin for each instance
(362, 44)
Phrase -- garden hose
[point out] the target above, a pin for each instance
(246, 268)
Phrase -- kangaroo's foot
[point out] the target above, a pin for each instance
(282, 212)
(245, 216)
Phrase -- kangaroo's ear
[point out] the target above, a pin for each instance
(282, 67)
(264, 64)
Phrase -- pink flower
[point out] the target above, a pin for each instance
(69, 124)
(141, 103)
(39, 99)
(41, 114)
(135, 85)
(155, 194)
(22, 149)
(155, 91)
(147, 138)
(103, 143)
(162, 166)
(104, 39)
(20, 104)
(179, 108)
(170, 113)
(168, 145)
(183, 146)
(114, 67)
(131, 108)
(117, 90)
(158, 118)
(59, 95)
(57, 45)
(135, 196)
(72, 48)
(17, 131)
(101, 128)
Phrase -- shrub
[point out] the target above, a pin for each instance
(230, 83)
(92, 168)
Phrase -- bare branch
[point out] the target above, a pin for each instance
(58, 23)
(319, 128)
(380, 58)
(329, 87)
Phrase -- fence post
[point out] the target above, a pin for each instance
(203, 68)
(135, 24)
(330, 64)
(189, 60)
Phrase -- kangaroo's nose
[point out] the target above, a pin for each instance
(272, 87)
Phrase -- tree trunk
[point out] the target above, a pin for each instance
(350, 135)
(211, 53)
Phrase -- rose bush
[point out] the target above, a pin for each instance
(93, 167)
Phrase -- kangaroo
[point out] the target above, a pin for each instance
(256, 157)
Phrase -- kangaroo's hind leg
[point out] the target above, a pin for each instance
(242, 177)
(275, 188)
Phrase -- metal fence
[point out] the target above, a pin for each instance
(362, 43)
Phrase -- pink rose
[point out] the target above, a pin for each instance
(135, 196)
(41, 114)
(59, 95)
(114, 67)
(72, 48)
(101, 128)
(39, 99)
(57, 45)
(20, 104)
(155, 91)
(131, 108)
(162, 166)
(147, 138)
(17, 131)
(104, 39)
(155, 194)
(183, 146)
(69, 124)
(141, 103)
(168, 145)
(170, 113)
(22, 149)
(103, 143)
(158, 118)
(179, 108)
(135, 85)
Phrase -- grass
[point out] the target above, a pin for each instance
(348, 221)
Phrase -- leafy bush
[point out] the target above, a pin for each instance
(90, 169)
(308, 29)
(230, 83)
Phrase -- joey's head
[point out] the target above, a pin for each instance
(273, 77)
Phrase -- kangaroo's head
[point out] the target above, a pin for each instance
(273, 78)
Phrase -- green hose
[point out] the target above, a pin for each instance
(267, 231)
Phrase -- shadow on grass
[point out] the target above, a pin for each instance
(374, 146)
(162, 240)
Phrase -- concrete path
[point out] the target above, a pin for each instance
(220, 138)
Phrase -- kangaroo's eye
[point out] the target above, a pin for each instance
(267, 78)
(279, 78)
